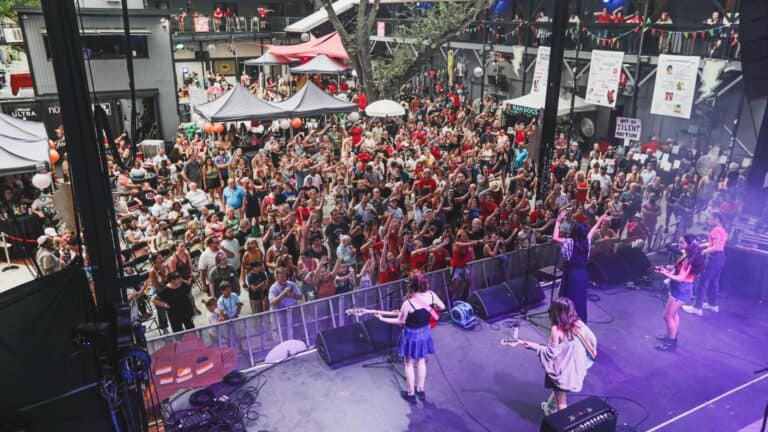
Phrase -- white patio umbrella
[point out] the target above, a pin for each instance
(385, 108)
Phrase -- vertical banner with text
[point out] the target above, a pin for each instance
(604, 77)
(675, 86)
(540, 75)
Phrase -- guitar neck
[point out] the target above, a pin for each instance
(376, 311)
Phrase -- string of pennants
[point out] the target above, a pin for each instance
(602, 40)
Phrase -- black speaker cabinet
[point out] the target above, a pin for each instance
(494, 302)
(527, 290)
(381, 335)
(623, 266)
(589, 415)
(340, 344)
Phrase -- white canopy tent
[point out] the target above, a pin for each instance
(322, 64)
(23, 146)
(385, 108)
(532, 103)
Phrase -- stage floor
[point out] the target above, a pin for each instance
(475, 384)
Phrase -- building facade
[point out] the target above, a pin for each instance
(104, 47)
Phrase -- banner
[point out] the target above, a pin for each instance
(628, 128)
(675, 86)
(541, 74)
(604, 77)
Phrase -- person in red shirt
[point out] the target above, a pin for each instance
(419, 136)
(426, 182)
(652, 145)
(462, 254)
(455, 100)
(356, 132)
(389, 267)
(362, 101)
(487, 205)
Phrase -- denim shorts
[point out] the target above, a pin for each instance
(681, 291)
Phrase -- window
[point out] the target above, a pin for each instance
(100, 47)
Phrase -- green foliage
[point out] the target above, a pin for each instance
(6, 7)
(427, 30)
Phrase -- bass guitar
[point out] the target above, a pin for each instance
(358, 312)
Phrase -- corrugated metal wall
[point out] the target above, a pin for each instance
(155, 72)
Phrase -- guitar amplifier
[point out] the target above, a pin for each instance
(589, 415)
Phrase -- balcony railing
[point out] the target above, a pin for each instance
(239, 24)
(686, 39)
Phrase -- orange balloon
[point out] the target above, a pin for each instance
(296, 123)
(208, 128)
(218, 127)
(53, 155)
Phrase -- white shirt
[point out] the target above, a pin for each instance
(158, 160)
(605, 182)
(160, 211)
(234, 247)
(207, 259)
(197, 198)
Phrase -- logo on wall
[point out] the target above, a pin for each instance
(23, 113)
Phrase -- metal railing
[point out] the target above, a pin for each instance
(238, 24)
(253, 336)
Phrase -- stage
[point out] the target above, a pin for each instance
(475, 384)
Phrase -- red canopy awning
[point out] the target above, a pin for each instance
(329, 45)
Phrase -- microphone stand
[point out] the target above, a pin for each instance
(390, 359)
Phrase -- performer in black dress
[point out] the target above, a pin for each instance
(575, 251)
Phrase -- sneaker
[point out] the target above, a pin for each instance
(549, 407)
(662, 338)
(411, 398)
(421, 395)
(707, 306)
(693, 310)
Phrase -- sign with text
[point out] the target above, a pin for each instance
(541, 74)
(675, 86)
(628, 128)
(604, 77)
(202, 25)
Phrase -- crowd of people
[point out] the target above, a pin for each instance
(349, 204)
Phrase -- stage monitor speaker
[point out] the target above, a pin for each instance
(527, 290)
(753, 35)
(494, 302)
(623, 266)
(589, 415)
(381, 335)
(340, 344)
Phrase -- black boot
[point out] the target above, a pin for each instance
(408, 398)
(421, 395)
(670, 345)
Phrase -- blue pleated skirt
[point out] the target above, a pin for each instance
(416, 343)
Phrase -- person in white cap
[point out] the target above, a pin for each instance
(46, 260)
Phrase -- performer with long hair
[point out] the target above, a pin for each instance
(575, 250)
(681, 277)
(416, 340)
(569, 353)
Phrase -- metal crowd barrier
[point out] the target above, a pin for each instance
(253, 336)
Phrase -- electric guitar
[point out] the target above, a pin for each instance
(510, 342)
(358, 312)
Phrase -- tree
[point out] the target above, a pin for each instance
(425, 32)
(6, 7)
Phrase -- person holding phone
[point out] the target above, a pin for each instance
(681, 277)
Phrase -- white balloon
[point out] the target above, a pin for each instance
(201, 123)
(305, 37)
(354, 116)
(285, 124)
(41, 180)
(478, 72)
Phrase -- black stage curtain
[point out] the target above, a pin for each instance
(39, 361)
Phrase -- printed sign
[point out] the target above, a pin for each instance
(628, 128)
(381, 28)
(201, 25)
(541, 75)
(675, 86)
(604, 77)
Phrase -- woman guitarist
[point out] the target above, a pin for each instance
(416, 341)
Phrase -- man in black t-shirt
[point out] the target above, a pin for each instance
(257, 281)
(561, 169)
(334, 230)
(175, 299)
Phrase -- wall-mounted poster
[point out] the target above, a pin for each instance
(541, 74)
(675, 86)
(604, 77)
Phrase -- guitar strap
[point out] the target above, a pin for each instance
(429, 308)
(591, 351)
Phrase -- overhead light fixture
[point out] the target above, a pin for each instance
(179, 46)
